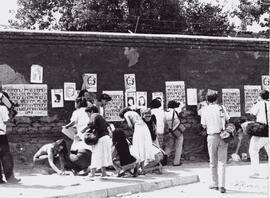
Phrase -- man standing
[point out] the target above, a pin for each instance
(6, 158)
(213, 118)
(261, 111)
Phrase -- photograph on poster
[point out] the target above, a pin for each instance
(130, 99)
(57, 98)
(141, 99)
(36, 74)
(266, 82)
(130, 82)
(70, 92)
(90, 82)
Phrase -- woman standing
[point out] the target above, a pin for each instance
(102, 150)
(141, 139)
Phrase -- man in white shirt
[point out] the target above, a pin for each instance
(213, 118)
(256, 143)
(6, 158)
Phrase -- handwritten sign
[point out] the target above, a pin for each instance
(192, 96)
(252, 93)
(130, 82)
(160, 97)
(266, 82)
(175, 90)
(113, 108)
(231, 100)
(32, 98)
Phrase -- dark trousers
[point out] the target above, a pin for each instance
(6, 161)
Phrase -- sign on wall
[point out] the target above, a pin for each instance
(32, 98)
(266, 82)
(141, 99)
(160, 97)
(113, 108)
(130, 82)
(36, 74)
(192, 98)
(90, 82)
(175, 90)
(57, 98)
(70, 92)
(251, 93)
(231, 100)
(130, 99)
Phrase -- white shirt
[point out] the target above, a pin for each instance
(160, 117)
(3, 118)
(258, 110)
(81, 119)
(213, 119)
(169, 115)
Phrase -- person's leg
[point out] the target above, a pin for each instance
(178, 150)
(222, 160)
(169, 144)
(212, 144)
(254, 148)
(103, 172)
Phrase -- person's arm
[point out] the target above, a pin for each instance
(203, 119)
(227, 117)
(51, 161)
(128, 120)
(71, 124)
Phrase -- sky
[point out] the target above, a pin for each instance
(7, 5)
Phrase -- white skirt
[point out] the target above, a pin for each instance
(102, 153)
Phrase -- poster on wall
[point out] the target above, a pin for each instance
(231, 100)
(175, 90)
(57, 98)
(130, 99)
(160, 97)
(113, 108)
(266, 82)
(192, 98)
(36, 74)
(251, 93)
(141, 99)
(70, 92)
(90, 82)
(130, 82)
(32, 98)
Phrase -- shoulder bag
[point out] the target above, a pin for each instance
(227, 132)
(177, 132)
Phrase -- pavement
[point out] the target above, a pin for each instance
(35, 184)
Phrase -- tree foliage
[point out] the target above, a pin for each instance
(143, 16)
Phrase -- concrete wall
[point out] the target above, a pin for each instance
(202, 62)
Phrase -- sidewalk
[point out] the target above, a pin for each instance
(38, 185)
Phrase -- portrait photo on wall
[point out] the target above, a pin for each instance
(130, 99)
(70, 92)
(130, 82)
(36, 74)
(89, 82)
(141, 99)
(160, 97)
(57, 98)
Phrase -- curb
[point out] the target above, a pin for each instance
(128, 189)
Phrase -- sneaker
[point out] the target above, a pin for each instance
(14, 180)
(222, 190)
(254, 176)
(213, 187)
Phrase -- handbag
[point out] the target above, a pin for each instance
(259, 129)
(227, 132)
(177, 133)
(91, 136)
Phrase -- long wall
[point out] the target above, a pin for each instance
(202, 62)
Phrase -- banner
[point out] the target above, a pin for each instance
(251, 93)
(192, 98)
(57, 98)
(90, 82)
(112, 109)
(32, 98)
(160, 97)
(36, 74)
(266, 82)
(231, 100)
(175, 90)
(130, 99)
(130, 82)
(141, 99)
(70, 91)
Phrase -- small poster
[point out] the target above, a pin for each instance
(266, 82)
(192, 96)
(32, 98)
(252, 93)
(90, 82)
(57, 98)
(131, 99)
(175, 90)
(130, 82)
(36, 74)
(160, 97)
(70, 92)
(141, 99)
(113, 108)
(231, 100)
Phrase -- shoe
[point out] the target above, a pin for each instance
(254, 176)
(222, 190)
(213, 187)
(14, 180)
(178, 164)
